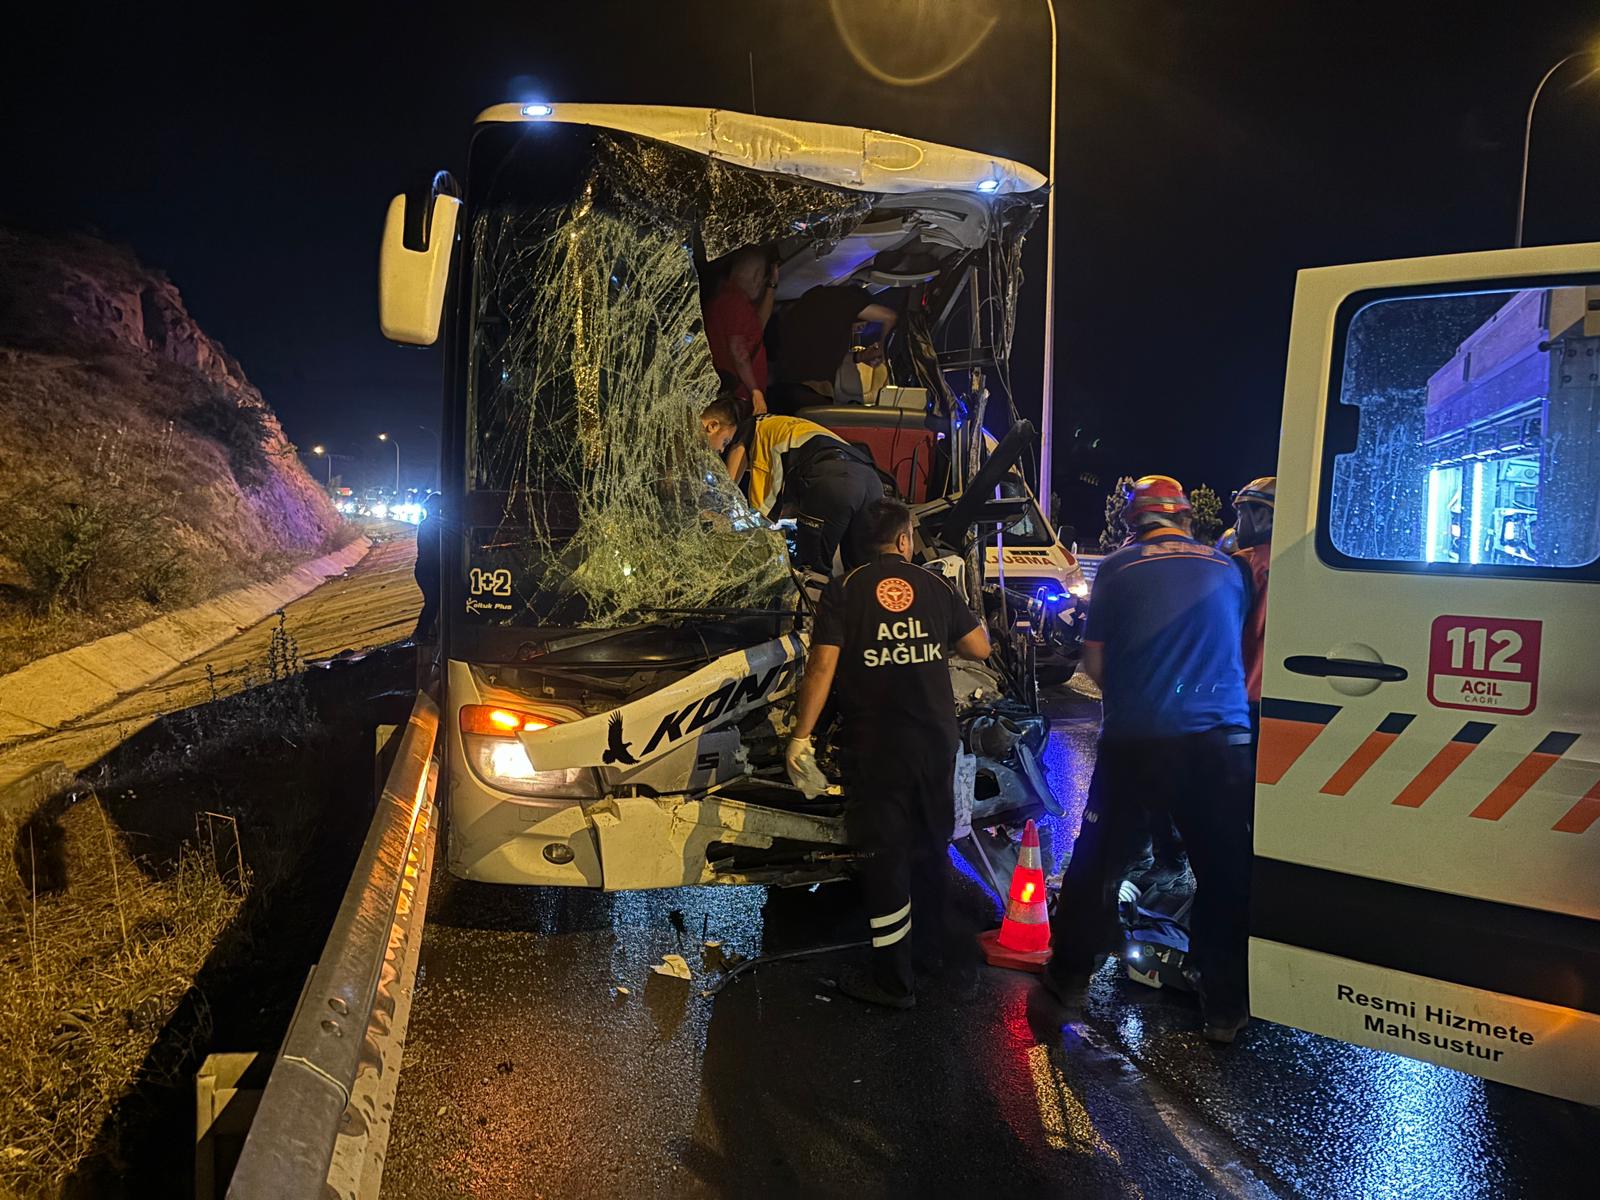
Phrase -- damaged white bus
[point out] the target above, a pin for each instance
(620, 634)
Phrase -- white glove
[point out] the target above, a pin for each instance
(804, 773)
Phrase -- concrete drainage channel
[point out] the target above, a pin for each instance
(320, 1126)
(56, 690)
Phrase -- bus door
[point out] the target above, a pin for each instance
(1427, 839)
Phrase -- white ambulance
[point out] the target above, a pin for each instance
(1427, 875)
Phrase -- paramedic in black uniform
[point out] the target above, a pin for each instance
(884, 632)
(426, 571)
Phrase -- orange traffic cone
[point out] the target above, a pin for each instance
(1023, 940)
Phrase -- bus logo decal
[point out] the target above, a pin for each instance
(616, 749)
(489, 583)
(728, 698)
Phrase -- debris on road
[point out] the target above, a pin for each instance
(674, 965)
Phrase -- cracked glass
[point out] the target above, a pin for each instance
(589, 371)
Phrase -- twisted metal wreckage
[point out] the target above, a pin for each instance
(621, 528)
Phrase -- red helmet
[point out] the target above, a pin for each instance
(1155, 496)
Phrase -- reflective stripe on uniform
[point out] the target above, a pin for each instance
(889, 939)
(892, 918)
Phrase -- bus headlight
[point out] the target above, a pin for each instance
(503, 763)
(489, 734)
(1079, 588)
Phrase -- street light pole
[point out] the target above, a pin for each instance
(322, 452)
(1527, 135)
(384, 437)
(1046, 416)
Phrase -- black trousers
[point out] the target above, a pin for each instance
(1203, 784)
(428, 618)
(832, 498)
(901, 808)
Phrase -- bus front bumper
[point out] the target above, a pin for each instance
(628, 842)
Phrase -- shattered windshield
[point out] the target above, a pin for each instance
(588, 371)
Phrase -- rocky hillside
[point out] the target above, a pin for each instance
(140, 470)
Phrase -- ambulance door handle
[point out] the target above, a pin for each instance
(1344, 668)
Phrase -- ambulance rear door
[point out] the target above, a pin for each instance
(1427, 875)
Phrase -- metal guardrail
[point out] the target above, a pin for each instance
(291, 1143)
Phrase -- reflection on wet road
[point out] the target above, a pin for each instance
(545, 1058)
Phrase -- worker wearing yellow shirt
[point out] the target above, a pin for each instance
(797, 463)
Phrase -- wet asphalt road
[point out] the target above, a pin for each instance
(529, 1073)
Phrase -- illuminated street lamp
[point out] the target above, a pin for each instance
(322, 452)
(1527, 133)
(384, 437)
(1047, 407)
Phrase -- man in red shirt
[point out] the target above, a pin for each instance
(1253, 504)
(736, 319)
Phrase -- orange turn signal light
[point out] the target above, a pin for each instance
(501, 722)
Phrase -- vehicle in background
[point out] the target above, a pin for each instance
(621, 635)
(382, 505)
(1428, 781)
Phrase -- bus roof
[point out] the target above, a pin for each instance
(864, 160)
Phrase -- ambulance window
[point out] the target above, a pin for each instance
(1463, 435)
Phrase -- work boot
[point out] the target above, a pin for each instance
(1221, 1022)
(1223, 1029)
(1071, 996)
(858, 985)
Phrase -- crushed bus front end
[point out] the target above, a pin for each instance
(621, 633)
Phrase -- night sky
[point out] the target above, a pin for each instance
(1206, 151)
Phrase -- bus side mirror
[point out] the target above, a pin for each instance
(411, 283)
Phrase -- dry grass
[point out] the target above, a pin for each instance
(132, 484)
(89, 976)
(92, 972)
(73, 442)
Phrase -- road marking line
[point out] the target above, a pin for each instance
(1066, 1122)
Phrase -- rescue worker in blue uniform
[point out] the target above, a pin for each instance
(1162, 641)
(884, 634)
